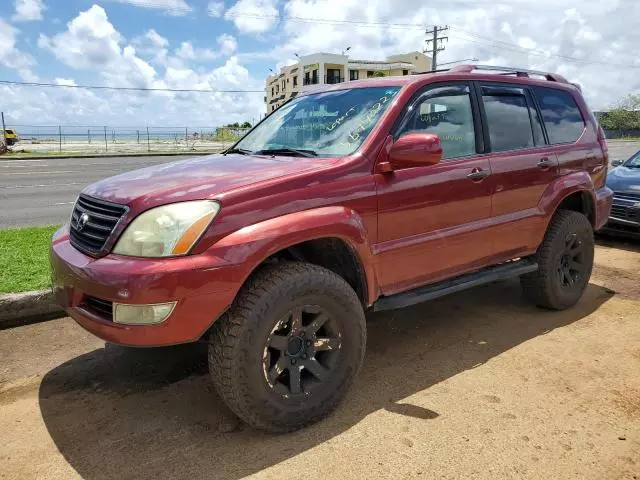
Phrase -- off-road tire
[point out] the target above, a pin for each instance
(545, 287)
(237, 345)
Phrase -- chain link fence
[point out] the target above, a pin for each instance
(79, 139)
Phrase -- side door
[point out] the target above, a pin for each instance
(522, 166)
(432, 219)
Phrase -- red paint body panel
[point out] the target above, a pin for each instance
(406, 226)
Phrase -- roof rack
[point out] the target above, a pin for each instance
(430, 71)
(518, 72)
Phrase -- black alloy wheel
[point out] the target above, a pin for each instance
(571, 264)
(302, 351)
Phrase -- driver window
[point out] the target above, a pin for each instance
(447, 114)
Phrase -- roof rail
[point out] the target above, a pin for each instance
(519, 72)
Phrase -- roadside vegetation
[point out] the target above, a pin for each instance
(24, 258)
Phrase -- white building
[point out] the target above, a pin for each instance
(328, 68)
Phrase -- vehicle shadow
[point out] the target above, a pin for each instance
(626, 243)
(126, 413)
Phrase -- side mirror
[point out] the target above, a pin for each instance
(415, 150)
(617, 163)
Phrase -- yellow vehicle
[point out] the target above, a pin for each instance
(11, 135)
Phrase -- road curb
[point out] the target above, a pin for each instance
(18, 309)
(109, 155)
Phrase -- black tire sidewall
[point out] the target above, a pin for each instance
(268, 298)
(578, 224)
(352, 345)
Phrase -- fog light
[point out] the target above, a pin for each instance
(142, 314)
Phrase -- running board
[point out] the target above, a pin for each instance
(429, 292)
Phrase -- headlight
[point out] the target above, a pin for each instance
(168, 230)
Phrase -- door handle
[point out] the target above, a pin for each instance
(478, 174)
(545, 163)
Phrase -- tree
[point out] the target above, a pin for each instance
(246, 125)
(624, 116)
(379, 74)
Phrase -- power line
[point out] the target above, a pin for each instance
(486, 41)
(132, 89)
(436, 44)
(404, 26)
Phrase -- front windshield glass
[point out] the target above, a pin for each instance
(325, 124)
(633, 162)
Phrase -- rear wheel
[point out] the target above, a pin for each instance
(289, 347)
(565, 261)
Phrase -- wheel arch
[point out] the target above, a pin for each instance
(573, 192)
(580, 201)
(332, 237)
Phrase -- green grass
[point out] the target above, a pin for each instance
(24, 259)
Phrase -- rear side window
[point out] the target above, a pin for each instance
(560, 114)
(509, 121)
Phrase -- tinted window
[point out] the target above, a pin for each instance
(561, 115)
(509, 123)
(448, 114)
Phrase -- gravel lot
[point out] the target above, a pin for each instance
(476, 385)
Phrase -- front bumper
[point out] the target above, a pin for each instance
(202, 285)
(604, 200)
(624, 217)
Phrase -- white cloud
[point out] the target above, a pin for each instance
(540, 35)
(228, 44)
(156, 39)
(215, 9)
(172, 7)
(188, 52)
(65, 81)
(90, 41)
(253, 16)
(28, 10)
(11, 56)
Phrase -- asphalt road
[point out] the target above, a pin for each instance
(42, 192)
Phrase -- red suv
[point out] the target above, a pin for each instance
(366, 195)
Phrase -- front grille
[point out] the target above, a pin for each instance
(628, 196)
(625, 213)
(619, 211)
(89, 234)
(99, 307)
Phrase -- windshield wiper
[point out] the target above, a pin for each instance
(285, 150)
(241, 151)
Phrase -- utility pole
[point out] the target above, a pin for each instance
(4, 131)
(436, 45)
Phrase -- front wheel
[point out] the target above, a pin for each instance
(565, 261)
(286, 352)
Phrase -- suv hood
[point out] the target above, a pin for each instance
(198, 178)
(624, 180)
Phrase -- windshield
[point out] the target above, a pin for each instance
(326, 124)
(633, 162)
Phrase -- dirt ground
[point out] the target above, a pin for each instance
(476, 385)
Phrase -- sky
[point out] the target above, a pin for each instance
(230, 45)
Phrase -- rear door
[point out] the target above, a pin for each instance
(575, 140)
(432, 219)
(522, 166)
